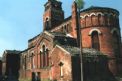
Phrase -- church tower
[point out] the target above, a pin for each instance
(53, 15)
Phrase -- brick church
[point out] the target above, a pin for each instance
(54, 54)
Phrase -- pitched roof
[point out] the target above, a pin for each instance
(33, 38)
(12, 51)
(87, 52)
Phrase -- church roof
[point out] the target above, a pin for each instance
(87, 52)
(12, 51)
(66, 19)
(33, 38)
(63, 39)
(57, 34)
(100, 8)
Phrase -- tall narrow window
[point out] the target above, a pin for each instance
(32, 60)
(41, 59)
(61, 69)
(43, 48)
(44, 60)
(100, 19)
(116, 44)
(47, 59)
(95, 40)
(25, 63)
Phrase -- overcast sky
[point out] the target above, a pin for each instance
(21, 20)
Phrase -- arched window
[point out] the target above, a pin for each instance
(94, 20)
(111, 19)
(116, 44)
(100, 20)
(95, 40)
(61, 69)
(44, 60)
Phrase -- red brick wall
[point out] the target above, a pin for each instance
(74, 20)
(47, 14)
(58, 56)
(92, 20)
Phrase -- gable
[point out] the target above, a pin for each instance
(57, 56)
(58, 50)
(44, 38)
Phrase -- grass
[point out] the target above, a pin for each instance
(27, 79)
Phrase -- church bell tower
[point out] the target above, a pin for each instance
(53, 14)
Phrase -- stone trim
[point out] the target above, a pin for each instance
(96, 14)
(95, 29)
(115, 29)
